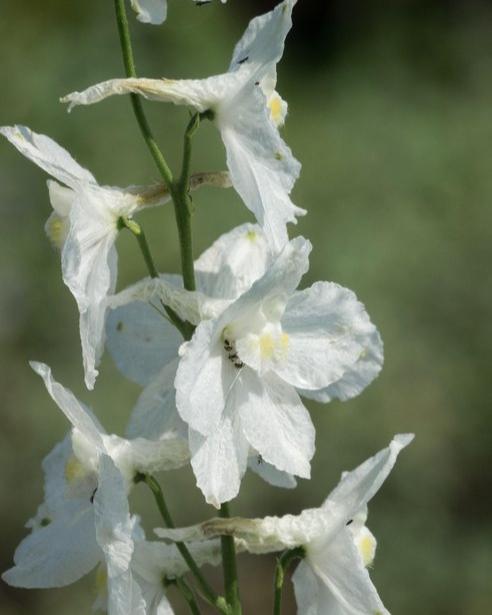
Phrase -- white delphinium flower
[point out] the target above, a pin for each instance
(238, 379)
(145, 346)
(337, 547)
(155, 11)
(84, 226)
(65, 542)
(247, 111)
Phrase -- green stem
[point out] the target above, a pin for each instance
(186, 329)
(229, 566)
(283, 563)
(131, 71)
(188, 595)
(178, 191)
(208, 592)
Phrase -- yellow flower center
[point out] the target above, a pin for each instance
(56, 229)
(74, 470)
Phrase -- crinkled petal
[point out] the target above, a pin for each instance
(265, 535)
(344, 586)
(79, 416)
(200, 94)
(230, 266)
(58, 554)
(329, 333)
(47, 155)
(147, 456)
(270, 474)
(357, 377)
(276, 424)
(155, 412)
(219, 460)
(150, 11)
(141, 341)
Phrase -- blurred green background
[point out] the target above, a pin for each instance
(390, 114)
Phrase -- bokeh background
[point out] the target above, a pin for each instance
(390, 114)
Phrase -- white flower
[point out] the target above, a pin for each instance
(238, 379)
(332, 577)
(154, 11)
(84, 226)
(247, 111)
(145, 346)
(87, 478)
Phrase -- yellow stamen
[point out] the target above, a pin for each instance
(74, 470)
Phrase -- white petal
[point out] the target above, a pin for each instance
(155, 413)
(230, 266)
(270, 474)
(48, 155)
(329, 335)
(205, 380)
(345, 588)
(140, 455)
(200, 94)
(265, 535)
(358, 486)
(154, 560)
(191, 306)
(219, 461)
(141, 341)
(270, 292)
(356, 378)
(89, 264)
(308, 589)
(262, 167)
(114, 527)
(58, 554)
(276, 424)
(263, 41)
(61, 198)
(79, 416)
(150, 11)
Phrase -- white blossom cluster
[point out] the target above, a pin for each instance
(228, 398)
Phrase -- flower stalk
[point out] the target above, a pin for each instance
(229, 565)
(281, 567)
(207, 591)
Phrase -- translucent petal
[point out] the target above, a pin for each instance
(262, 167)
(270, 474)
(219, 461)
(141, 340)
(79, 416)
(58, 554)
(329, 333)
(230, 266)
(357, 377)
(345, 587)
(276, 424)
(48, 155)
(155, 413)
(357, 487)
